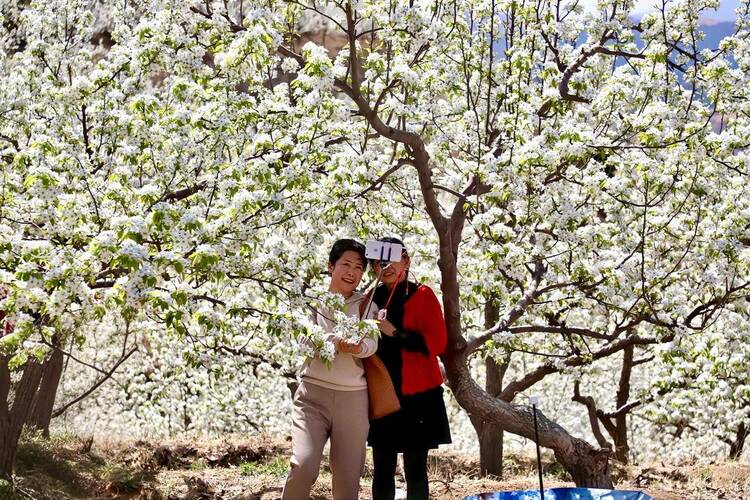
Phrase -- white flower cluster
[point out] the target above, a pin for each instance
(353, 329)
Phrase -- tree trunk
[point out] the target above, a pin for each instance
(616, 423)
(587, 466)
(44, 402)
(622, 448)
(7, 449)
(491, 436)
(490, 450)
(620, 436)
(8, 446)
(14, 415)
(736, 447)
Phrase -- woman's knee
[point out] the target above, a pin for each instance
(305, 466)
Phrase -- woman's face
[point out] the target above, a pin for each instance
(346, 273)
(394, 272)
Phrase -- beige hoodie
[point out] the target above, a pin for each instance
(346, 372)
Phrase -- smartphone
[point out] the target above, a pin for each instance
(383, 251)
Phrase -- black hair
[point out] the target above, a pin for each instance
(345, 245)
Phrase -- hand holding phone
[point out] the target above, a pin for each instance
(387, 327)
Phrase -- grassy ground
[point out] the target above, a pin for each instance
(67, 467)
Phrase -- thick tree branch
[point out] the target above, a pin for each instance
(583, 57)
(584, 332)
(622, 411)
(542, 371)
(378, 183)
(623, 389)
(351, 32)
(714, 303)
(516, 312)
(184, 193)
(590, 405)
(586, 465)
(415, 145)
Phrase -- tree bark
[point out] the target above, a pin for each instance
(587, 466)
(44, 402)
(490, 435)
(620, 436)
(594, 418)
(615, 423)
(7, 450)
(490, 449)
(736, 447)
(8, 446)
(14, 415)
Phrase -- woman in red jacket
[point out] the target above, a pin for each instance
(413, 336)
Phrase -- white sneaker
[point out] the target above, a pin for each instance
(400, 494)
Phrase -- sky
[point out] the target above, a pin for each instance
(725, 12)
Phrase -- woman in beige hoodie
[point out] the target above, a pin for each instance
(331, 400)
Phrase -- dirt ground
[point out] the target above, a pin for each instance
(68, 467)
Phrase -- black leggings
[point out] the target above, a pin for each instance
(415, 469)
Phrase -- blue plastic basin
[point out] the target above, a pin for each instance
(563, 494)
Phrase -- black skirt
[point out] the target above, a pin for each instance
(421, 423)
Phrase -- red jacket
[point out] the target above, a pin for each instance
(422, 313)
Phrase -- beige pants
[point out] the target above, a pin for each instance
(320, 413)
